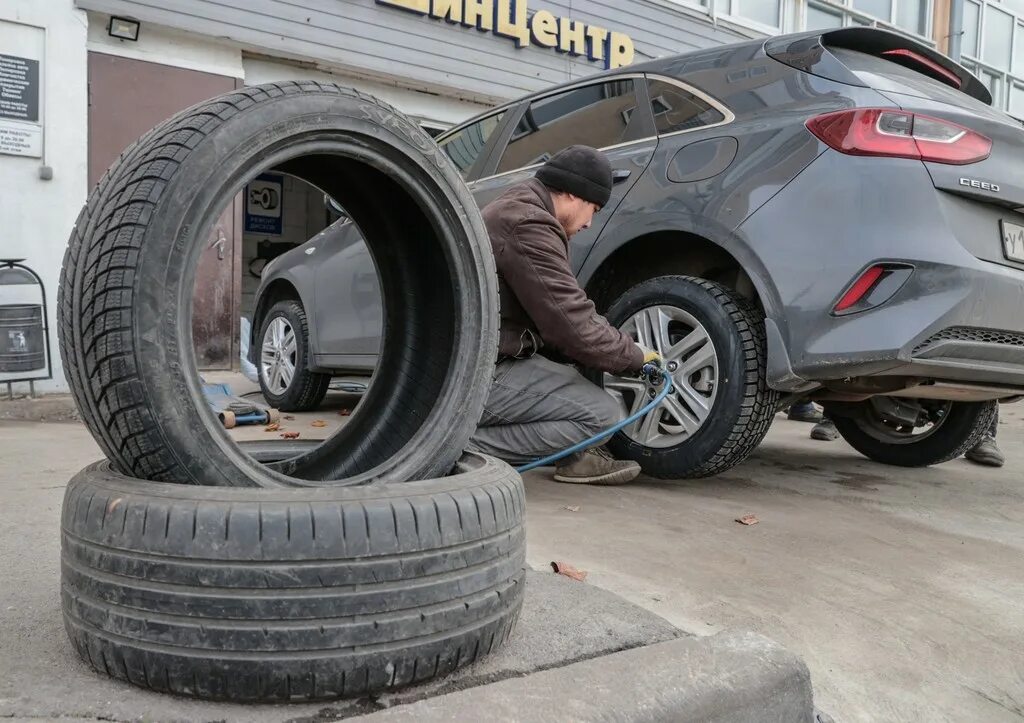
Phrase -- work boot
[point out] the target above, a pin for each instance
(596, 467)
(825, 431)
(986, 453)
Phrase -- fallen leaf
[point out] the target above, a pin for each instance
(290, 435)
(564, 568)
(289, 417)
(345, 412)
(272, 427)
(572, 508)
(748, 520)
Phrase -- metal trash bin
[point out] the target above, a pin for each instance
(21, 338)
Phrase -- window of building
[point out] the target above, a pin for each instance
(1017, 100)
(595, 115)
(992, 48)
(464, 146)
(675, 109)
(912, 16)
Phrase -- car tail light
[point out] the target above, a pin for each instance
(899, 134)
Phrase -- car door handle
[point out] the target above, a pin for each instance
(620, 174)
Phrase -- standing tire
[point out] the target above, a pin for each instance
(126, 289)
(284, 360)
(722, 406)
(961, 427)
(291, 594)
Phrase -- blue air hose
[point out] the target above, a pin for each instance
(601, 436)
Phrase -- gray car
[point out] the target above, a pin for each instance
(836, 216)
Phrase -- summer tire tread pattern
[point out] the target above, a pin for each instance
(291, 595)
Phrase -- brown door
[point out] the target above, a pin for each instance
(128, 97)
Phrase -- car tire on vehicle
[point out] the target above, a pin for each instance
(127, 284)
(734, 404)
(291, 594)
(284, 358)
(962, 427)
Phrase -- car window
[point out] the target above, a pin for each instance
(675, 109)
(596, 115)
(465, 146)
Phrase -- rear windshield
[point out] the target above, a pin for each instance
(884, 75)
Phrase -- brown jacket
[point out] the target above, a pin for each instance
(541, 301)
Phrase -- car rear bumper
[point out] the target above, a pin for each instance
(957, 317)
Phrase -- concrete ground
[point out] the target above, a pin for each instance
(903, 590)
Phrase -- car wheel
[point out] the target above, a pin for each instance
(713, 343)
(943, 431)
(127, 287)
(284, 358)
(276, 595)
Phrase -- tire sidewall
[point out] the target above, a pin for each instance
(722, 331)
(175, 236)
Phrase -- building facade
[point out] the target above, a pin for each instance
(84, 78)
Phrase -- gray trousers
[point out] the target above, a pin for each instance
(537, 407)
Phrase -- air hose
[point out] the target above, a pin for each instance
(653, 373)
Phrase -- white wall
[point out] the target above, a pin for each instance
(157, 44)
(38, 215)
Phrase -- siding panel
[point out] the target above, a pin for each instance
(362, 36)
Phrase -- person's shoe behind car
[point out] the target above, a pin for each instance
(596, 467)
(825, 431)
(987, 453)
(804, 413)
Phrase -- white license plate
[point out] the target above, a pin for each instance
(1013, 241)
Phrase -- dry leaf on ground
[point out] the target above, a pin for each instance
(564, 568)
(318, 423)
(272, 427)
(345, 412)
(748, 520)
(290, 435)
(572, 508)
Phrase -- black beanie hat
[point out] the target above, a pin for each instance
(581, 171)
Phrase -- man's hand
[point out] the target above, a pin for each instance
(653, 365)
(650, 355)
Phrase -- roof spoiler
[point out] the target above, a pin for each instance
(809, 52)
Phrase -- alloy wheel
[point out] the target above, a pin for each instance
(278, 356)
(690, 357)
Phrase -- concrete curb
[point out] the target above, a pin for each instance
(45, 408)
(734, 676)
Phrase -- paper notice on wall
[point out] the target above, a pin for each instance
(21, 139)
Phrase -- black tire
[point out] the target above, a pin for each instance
(125, 296)
(291, 594)
(744, 406)
(307, 388)
(962, 428)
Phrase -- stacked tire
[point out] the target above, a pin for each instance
(382, 557)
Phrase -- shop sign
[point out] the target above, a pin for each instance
(21, 139)
(263, 200)
(510, 19)
(19, 88)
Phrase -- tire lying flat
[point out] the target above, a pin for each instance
(126, 287)
(286, 595)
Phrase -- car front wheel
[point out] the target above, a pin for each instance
(285, 378)
(713, 344)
